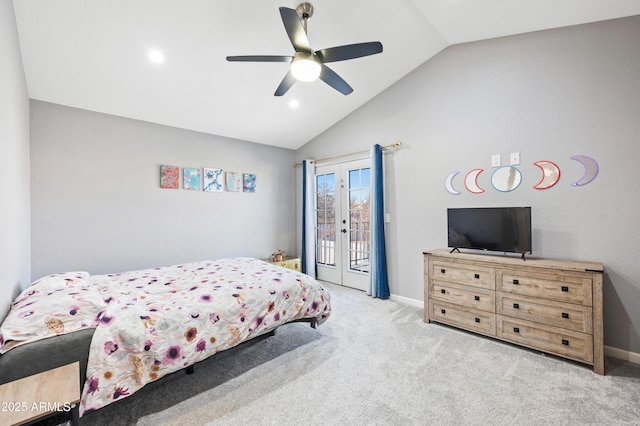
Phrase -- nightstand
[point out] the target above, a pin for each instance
(289, 262)
(35, 397)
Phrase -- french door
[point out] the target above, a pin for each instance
(342, 210)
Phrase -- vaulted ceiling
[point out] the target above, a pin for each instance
(94, 55)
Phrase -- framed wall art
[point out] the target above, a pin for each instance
(233, 181)
(169, 177)
(191, 179)
(213, 180)
(249, 182)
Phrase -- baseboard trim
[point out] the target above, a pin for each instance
(622, 354)
(407, 301)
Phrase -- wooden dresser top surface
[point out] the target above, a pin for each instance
(498, 260)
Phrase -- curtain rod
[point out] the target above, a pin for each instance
(393, 145)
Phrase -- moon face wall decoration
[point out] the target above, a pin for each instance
(448, 184)
(550, 174)
(471, 181)
(506, 178)
(509, 178)
(590, 169)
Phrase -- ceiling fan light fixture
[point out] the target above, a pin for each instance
(305, 68)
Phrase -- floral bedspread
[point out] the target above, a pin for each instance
(153, 322)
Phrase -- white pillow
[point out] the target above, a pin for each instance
(53, 305)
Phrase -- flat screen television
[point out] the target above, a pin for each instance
(505, 229)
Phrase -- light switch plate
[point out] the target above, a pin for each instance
(495, 160)
(387, 218)
(515, 158)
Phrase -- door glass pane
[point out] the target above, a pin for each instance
(366, 177)
(331, 216)
(359, 194)
(325, 219)
(354, 178)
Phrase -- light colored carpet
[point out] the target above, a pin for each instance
(374, 362)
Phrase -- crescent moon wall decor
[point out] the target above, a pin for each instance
(550, 174)
(590, 169)
(448, 184)
(471, 181)
(506, 178)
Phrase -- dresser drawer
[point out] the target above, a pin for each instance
(563, 315)
(463, 273)
(472, 297)
(564, 288)
(566, 343)
(467, 318)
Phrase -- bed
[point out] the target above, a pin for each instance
(128, 329)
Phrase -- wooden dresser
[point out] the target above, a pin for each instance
(553, 306)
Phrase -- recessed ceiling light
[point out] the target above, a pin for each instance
(293, 104)
(156, 56)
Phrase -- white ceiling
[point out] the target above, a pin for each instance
(93, 54)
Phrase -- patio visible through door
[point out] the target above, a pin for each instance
(342, 223)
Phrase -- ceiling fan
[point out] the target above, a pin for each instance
(307, 64)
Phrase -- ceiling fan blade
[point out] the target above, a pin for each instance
(285, 85)
(349, 51)
(259, 58)
(334, 80)
(295, 30)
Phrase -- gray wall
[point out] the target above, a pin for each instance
(547, 95)
(14, 164)
(97, 206)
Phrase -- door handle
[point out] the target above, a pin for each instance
(344, 231)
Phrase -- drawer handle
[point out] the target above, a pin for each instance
(516, 306)
(443, 291)
(476, 297)
(565, 342)
(477, 319)
(516, 282)
(565, 288)
(443, 311)
(516, 330)
(442, 271)
(477, 276)
(565, 315)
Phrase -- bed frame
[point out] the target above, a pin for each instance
(49, 350)
(43, 355)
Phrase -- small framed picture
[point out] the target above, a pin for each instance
(169, 177)
(191, 179)
(249, 182)
(213, 180)
(233, 181)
